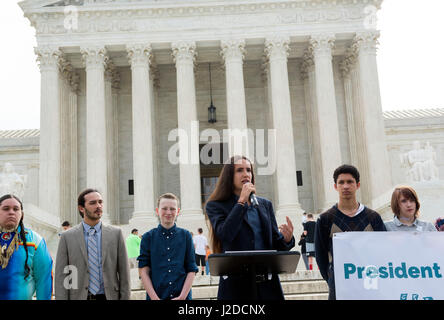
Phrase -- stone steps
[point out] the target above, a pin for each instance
(301, 285)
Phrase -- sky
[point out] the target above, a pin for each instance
(410, 61)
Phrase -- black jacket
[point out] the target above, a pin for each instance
(230, 224)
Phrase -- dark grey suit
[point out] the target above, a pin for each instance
(72, 252)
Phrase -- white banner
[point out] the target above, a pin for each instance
(389, 265)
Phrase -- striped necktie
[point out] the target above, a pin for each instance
(93, 262)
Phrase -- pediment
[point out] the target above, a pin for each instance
(35, 4)
(63, 3)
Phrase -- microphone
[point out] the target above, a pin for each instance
(253, 200)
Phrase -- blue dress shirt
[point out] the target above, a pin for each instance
(255, 224)
(169, 253)
(98, 234)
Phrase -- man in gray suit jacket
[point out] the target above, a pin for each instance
(92, 262)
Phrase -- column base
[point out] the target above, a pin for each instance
(143, 221)
(294, 212)
(105, 218)
(191, 220)
(327, 205)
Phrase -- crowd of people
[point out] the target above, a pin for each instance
(93, 260)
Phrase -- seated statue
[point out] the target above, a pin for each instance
(421, 163)
(11, 182)
(431, 169)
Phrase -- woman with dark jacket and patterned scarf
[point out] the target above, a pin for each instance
(236, 225)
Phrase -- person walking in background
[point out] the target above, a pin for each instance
(301, 243)
(133, 247)
(207, 253)
(405, 206)
(65, 226)
(309, 232)
(200, 242)
(25, 262)
(304, 218)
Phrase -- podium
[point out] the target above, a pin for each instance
(257, 265)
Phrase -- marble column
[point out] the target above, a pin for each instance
(65, 138)
(139, 56)
(50, 120)
(233, 52)
(154, 85)
(112, 143)
(96, 139)
(327, 120)
(377, 160)
(311, 107)
(277, 50)
(345, 66)
(74, 82)
(115, 90)
(190, 189)
(354, 119)
(266, 79)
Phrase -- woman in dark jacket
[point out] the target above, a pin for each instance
(236, 225)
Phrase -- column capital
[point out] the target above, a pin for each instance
(184, 51)
(110, 69)
(307, 64)
(348, 63)
(139, 55)
(233, 49)
(277, 47)
(366, 42)
(48, 57)
(265, 68)
(66, 69)
(322, 44)
(74, 82)
(155, 75)
(112, 75)
(94, 56)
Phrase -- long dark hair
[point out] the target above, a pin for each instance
(223, 191)
(22, 234)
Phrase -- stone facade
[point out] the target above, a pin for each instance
(118, 77)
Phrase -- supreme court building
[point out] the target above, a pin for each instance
(119, 76)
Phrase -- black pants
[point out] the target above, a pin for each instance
(200, 260)
(101, 297)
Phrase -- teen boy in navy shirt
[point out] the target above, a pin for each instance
(166, 262)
